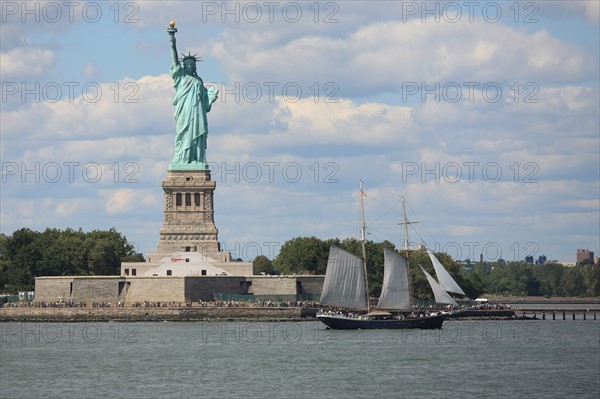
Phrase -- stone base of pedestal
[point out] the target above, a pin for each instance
(188, 244)
(189, 224)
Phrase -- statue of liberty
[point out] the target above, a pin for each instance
(192, 101)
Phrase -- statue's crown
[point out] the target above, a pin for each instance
(190, 57)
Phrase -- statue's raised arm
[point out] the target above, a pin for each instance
(171, 32)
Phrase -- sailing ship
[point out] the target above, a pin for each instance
(346, 286)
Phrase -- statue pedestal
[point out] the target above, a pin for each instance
(188, 244)
(189, 224)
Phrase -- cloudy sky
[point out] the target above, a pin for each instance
(484, 115)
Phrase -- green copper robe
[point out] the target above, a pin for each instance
(192, 101)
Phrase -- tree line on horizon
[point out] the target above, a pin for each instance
(27, 254)
(302, 255)
(309, 255)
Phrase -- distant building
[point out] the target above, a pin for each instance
(568, 264)
(585, 254)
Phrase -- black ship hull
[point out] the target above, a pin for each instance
(344, 323)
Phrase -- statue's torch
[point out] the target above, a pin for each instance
(172, 29)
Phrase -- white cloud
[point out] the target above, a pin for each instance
(347, 123)
(126, 200)
(382, 56)
(42, 212)
(91, 71)
(590, 9)
(26, 63)
(98, 110)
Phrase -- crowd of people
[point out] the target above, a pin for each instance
(44, 304)
(166, 304)
(259, 304)
(224, 304)
(492, 306)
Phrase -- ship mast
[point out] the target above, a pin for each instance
(406, 248)
(364, 251)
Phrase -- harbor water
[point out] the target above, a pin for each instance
(467, 359)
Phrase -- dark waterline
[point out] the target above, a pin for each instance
(470, 359)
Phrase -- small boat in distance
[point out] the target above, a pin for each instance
(346, 286)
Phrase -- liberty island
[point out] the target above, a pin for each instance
(189, 264)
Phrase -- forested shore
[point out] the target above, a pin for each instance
(27, 254)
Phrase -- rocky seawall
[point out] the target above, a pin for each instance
(131, 314)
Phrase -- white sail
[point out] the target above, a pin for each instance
(344, 284)
(394, 291)
(440, 294)
(445, 279)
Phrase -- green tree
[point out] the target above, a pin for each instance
(472, 285)
(23, 260)
(571, 282)
(3, 262)
(27, 254)
(532, 283)
(421, 287)
(549, 277)
(591, 280)
(108, 250)
(62, 253)
(262, 264)
(134, 257)
(302, 254)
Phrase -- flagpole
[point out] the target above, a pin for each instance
(364, 250)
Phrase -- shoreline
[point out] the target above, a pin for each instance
(154, 314)
(193, 314)
(267, 314)
(541, 299)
